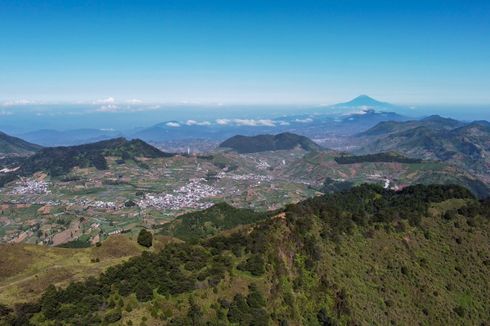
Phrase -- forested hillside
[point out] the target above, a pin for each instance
(362, 256)
(15, 146)
(57, 161)
(262, 143)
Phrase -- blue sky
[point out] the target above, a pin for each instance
(245, 51)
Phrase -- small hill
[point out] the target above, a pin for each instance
(209, 222)
(262, 143)
(15, 146)
(57, 161)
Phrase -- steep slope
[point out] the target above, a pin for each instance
(464, 144)
(15, 146)
(262, 143)
(57, 161)
(422, 253)
(392, 170)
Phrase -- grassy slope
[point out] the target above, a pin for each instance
(321, 165)
(26, 270)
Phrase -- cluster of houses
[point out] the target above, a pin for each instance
(190, 195)
(30, 186)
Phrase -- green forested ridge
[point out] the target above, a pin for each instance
(434, 138)
(13, 145)
(362, 256)
(57, 161)
(209, 222)
(262, 143)
(378, 157)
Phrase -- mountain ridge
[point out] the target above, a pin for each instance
(60, 160)
(267, 142)
(435, 138)
(16, 146)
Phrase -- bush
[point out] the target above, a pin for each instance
(113, 316)
(144, 292)
(255, 265)
(145, 238)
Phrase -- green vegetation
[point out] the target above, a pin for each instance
(26, 270)
(466, 145)
(58, 161)
(145, 238)
(362, 256)
(379, 157)
(16, 146)
(209, 222)
(262, 143)
(330, 185)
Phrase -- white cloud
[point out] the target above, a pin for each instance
(3, 112)
(223, 122)
(307, 120)
(172, 124)
(108, 108)
(134, 101)
(254, 123)
(109, 100)
(247, 122)
(283, 123)
(197, 123)
(18, 102)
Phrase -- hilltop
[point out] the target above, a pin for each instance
(57, 161)
(15, 146)
(262, 143)
(209, 222)
(422, 252)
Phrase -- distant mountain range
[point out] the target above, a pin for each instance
(346, 118)
(435, 138)
(262, 143)
(15, 146)
(49, 137)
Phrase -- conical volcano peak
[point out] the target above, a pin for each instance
(364, 100)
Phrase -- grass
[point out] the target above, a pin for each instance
(26, 270)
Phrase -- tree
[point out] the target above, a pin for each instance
(49, 302)
(194, 315)
(144, 292)
(145, 238)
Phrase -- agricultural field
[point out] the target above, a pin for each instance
(86, 205)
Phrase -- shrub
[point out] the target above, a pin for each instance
(145, 238)
(112, 316)
(255, 265)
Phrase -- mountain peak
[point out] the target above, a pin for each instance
(364, 100)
